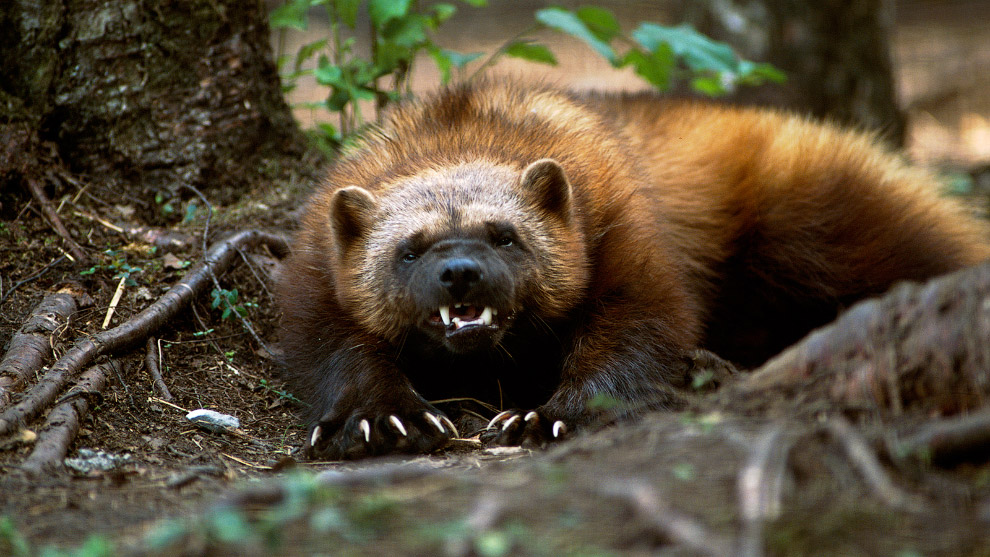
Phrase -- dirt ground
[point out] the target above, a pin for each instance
(779, 478)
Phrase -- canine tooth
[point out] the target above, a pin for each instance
(559, 429)
(457, 322)
(445, 314)
(433, 420)
(486, 316)
(398, 425)
(317, 431)
(366, 428)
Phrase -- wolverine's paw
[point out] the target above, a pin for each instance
(529, 429)
(364, 434)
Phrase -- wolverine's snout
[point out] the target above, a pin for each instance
(459, 275)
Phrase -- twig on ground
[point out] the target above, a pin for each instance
(136, 329)
(114, 301)
(760, 484)
(152, 361)
(63, 422)
(30, 347)
(35, 276)
(38, 193)
(216, 283)
(953, 438)
(665, 520)
(863, 458)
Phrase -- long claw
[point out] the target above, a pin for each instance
(509, 422)
(531, 416)
(315, 436)
(498, 417)
(559, 429)
(398, 425)
(436, 422)
(366, 428)
(450, 424)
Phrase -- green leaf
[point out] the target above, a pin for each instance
(655, 67)
(381, 11)
(708, 85)
(307, 51)
(699, 52)
(347, 11)
(326, 73)
(600, 21)
(443, 11)
(531, 52)
(290, 15)
(445, 60)
(567, 22)
(476, 3)
(406, 32)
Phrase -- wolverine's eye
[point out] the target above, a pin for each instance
(504, 241)
(410, 257)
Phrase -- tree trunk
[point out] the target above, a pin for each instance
(140, 97)
(836, 54)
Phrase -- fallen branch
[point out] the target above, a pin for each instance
(31, 347)
(136, 329)
(63, 422)
(152, 362)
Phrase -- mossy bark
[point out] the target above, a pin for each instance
(141, 96)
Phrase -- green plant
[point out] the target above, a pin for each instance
(399, 30)
(116, 262)
(662, 55)
(229, 300)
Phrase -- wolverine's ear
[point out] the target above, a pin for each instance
(351, 210)
(546, 180)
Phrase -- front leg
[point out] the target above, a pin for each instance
(365, 406)
(636, 360)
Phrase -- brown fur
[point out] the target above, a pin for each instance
(673, 225)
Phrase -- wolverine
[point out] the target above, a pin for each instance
(537, 248)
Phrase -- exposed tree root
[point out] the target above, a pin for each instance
(63, 421)
(760, 486)
(136, 329)
(151, 362)
(667, 521)
(923, 346)
(48, 209)
(863, 457)
(30, 348)
(953, 439)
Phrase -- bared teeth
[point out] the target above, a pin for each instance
(486, 317)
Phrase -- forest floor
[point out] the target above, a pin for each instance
(791, 474)
(794, 473)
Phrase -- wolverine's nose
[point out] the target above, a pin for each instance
(459, 275)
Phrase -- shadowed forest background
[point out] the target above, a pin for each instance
(138, 137)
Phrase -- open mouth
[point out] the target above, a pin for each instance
(463, 316)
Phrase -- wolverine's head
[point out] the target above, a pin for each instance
(459, 252)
